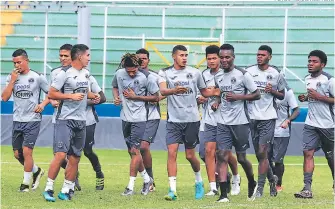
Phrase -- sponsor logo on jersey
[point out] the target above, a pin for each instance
(23, 94)
(82, 83)
(31, 80)
(22, 86)
(189, 76)
(82, 90)
(182, 83)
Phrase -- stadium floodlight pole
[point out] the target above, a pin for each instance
(163, 22)
(143, 40)
(105, 50)
(285, 41)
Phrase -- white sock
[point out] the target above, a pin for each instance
(145, 176)
(236, 178)
(67, 186)
(131, 183)
(35, 168)
(173, 183)
(49, 185)
(27, 177)
(198, 177)
(213, 186)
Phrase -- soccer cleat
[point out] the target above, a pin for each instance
(235, 188)
(146, 187)
(252, 188)
(223, 199)
(99, 184)
(152, 187)
(24, 188)
(36, 178)
(257, 194)
(49, 196)
(171, 196)
(71, 193)
(305, 194)
(64, 196)
(273, 189)
(199, 190)
(212, 193)
(127, 192)
(279, 188)
(77, 186)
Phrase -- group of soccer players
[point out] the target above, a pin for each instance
(235, 103)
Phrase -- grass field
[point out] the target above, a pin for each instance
(115, 166)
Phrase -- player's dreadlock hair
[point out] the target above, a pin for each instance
(130, 60)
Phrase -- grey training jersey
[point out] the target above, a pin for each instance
(208, 115)
(320, 114)
(237, 81)
(182, 108)
(264, 108)
(26, 95)
(134, 110)
(283, 110)
(72, 81)
(91, 114)
(153, 108)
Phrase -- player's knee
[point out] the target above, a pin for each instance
(308, 154)
(18, 154)
(241, 159)
(189, 156)
(172, 154)
(88, 151)
(144, 150)
(134, 151)
(221, 155)
(209, 152)
(60, 156)
(27, 152)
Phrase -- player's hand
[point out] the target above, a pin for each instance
(117, 100)
(54, 103)
(180, 90)
(313, 94)
(302, 97)
(129, 93)
(77, 96)
(231, 97)
(15, 74)
(202, 100)
(285, 124)
(215, 106)
(268, 88)
(97, 99)
(39, 108)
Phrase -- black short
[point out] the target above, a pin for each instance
(183, 133)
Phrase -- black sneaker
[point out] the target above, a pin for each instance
(146, 187)
(100, 184)
(24, 188)
(36, 178)
(77, 186)
(273, 188)
(127, 192)
(252, 187)
(305, 194)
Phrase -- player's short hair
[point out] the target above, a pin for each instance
(143, 51)
(20, 52)
(77, 50)
(179, 47)
(212, 49)
(265, 48)
(66, 47)
(130, 60)
(318, 53)
(227, 47)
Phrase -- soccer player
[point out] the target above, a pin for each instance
(232, 122)
(71, 87)
(179, 83)
(319, 124)
(26, 85)
(153, 116)
(282, 133)
(208, 141)
(263, 114)
(133, 88)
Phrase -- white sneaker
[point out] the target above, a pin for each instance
(223, 200)
(212, 193)
(235, 186)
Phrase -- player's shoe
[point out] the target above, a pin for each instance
(146, 187)
(127, 192)
(199, 190)
(64, 196)
(153, 187)
(24, 188)
(223, 199)
(212, 193)
(36, 178)
(235, 188)
(305, 194)
(279, 188)
(252, 188)
(77, 186)
(49, 196)
(100, 184)
(273, 189)
(257, 194)
(171, 196)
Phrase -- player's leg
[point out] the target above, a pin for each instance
(202, 149)
(236, 179)
(77, 143)
(327, 144)
(61, 146)
(174, 136)
(210, 149)
(311, 143)
(280, 145)
(93, 158)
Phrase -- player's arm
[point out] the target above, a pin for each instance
(293, 104)
(130, 94)
(7, 92)
(250, 85)
(99, 100)
(278, 93)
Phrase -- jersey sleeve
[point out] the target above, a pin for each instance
(291, 100)
(44, 85)
(114, 81)
(162, 76)
(9, 77)
(200, 81)
(95, 88)
(249, 83)
(331, 86)
(281, 82)
(59, 80)
(152, 86)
